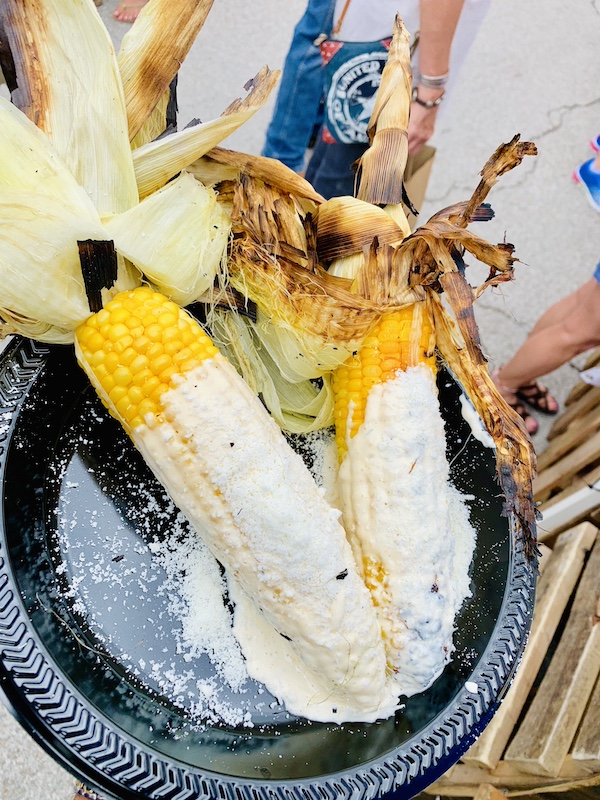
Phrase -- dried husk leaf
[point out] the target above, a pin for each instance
(153, 50)
(157, 162)
(397, 213)
(31, 164)
(346, 225)
(40, 271)
(155, 125)
(43, 214)
(381, 168)
(506, 157)
(220, 164)
(67, 82)
(515, 456)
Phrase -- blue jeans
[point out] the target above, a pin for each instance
(330, 169)
(298, 103)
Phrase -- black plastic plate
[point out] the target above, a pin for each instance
(78, 674)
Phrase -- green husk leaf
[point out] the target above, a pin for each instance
(298, 407)
(177, 237)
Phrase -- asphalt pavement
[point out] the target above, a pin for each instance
(534, 71)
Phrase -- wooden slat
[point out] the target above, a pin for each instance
(579, 785)
(464, 780)
(579, 430)
(560, 474)
(592, 360)
(561, 572)
(545, 735)
(587, 745)
(584, 405)
(581, 387)
(488, 792)
(576, 504)
(577, 392)
(578, 482)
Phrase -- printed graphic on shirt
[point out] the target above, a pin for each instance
(351, 96)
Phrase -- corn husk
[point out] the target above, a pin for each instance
(297, 406)
(297, 353)
(152, 52)
(68, 83)
(381, 168)
(397, 213)
(345, 225)
(269, 264)
(155, 125)
(157, 162)
(40, 271)
(31, 164)
(220, 165)
(177, 238)
(43, 214)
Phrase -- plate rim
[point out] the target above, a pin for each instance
(50, 708)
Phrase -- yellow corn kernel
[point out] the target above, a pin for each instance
(135, 346)
(400, 339)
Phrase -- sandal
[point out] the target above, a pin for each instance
(536, 395)
(128, 10)
(512, 399)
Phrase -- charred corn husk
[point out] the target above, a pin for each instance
(157, 162)
(152, 52)
(225, 463)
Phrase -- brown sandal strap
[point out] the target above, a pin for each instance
(536, 395)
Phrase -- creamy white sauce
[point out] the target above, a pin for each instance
(402, 514)
(227, 466)
(475, 423)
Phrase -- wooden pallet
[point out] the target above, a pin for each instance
(545, 737)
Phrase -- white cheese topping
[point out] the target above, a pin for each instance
(408, 526)
(227, 466)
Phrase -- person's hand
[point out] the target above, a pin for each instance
(421, 125)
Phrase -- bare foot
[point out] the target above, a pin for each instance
(128, 10)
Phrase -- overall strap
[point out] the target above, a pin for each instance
(338, 24)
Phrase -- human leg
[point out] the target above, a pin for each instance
(549, 347)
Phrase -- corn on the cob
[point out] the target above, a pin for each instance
(408, 527)
(388, 348)
(225, 463)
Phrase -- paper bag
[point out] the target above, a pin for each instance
(416, 178)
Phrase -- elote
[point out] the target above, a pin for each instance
(227, 466)
(409, 528)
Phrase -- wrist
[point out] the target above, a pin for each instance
(436, 80)
(429, 98)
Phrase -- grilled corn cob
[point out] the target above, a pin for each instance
(407, 525)
(226, 465)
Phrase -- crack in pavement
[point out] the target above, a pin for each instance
(560, 112)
